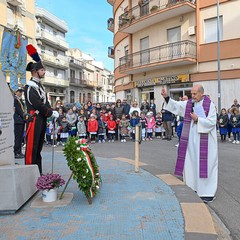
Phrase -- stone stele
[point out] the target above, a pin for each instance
(17, 182)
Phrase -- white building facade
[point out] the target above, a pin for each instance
(51, 41)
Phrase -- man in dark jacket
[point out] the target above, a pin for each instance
(19, 123)
(167, 118)
(126, 107)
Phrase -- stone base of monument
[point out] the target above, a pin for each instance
(17, 186)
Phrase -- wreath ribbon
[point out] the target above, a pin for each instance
(89, 164)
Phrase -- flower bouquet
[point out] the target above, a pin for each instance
(49, 181)
(49, 184)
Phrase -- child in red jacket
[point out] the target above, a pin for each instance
(92, 127)
(111, 124)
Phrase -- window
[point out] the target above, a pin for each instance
(84, 98)
(211, 29)
(72, 97)
(55, 53)
(89, 97)
(72, 74)
(97, 96)
(42, 26)
(43, 49)
(126, 50)
(55, 72)
(144, 43)
(80, 97)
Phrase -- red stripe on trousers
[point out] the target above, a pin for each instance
(30, 140)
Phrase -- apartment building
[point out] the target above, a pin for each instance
(173, 43)
(17, 14)
(88, 79)
(50, 37)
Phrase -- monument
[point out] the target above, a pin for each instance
(17, 182)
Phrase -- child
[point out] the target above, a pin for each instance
(229, 126)
(54, 130)
(223, 122)
(48, 132)
(65, 128)
(143, 122)
(111, 124)
(133, 123)
(123, 125)
(72, 119)
(81, 127)
(235, 122)
(105, 118)
(92, 128)
(158, 126)
(101, 129)
(150, 120)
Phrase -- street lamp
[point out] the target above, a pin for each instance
(218, 58)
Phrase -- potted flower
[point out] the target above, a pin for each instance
(49, 184)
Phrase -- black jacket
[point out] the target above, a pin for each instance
(36, 99)
(18, 111)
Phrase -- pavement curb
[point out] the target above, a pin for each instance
(199, 224)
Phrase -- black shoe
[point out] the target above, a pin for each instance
(19, 156)
(208, 199)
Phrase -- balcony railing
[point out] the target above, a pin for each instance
(111, 52)
(110, 24)
(54, 40)
(77, 62)
(160, 54)
(142, 10)
(55, 61)
(55, 81)
(77, 81)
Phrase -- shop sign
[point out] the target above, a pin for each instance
(164, 80)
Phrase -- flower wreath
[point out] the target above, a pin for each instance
(83, 165)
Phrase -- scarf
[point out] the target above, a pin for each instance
(203, 171)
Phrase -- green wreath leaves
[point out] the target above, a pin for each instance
(83, 165)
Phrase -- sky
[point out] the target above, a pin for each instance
(87, 25)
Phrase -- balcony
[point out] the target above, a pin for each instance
(168, 55)
(110, 24)
(77, 82)
(91, 84)
(15, 2)
(55, 81)
(110, 2)
(109, 88)
(50, 19)
(77, 63)
(58, 61)
(111, 52)
(143, 16)
(52, 40)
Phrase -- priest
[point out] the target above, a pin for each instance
(197, 159)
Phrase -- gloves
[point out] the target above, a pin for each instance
(55, 114)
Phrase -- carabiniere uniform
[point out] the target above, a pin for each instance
(40, 109)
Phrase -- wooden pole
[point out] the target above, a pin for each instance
(61, 196)
(137, 149)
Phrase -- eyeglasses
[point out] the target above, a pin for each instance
(118, 102)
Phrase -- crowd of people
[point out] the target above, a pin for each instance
(106, 122)
(111, 122)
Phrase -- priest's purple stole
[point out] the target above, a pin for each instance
(203, 171)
